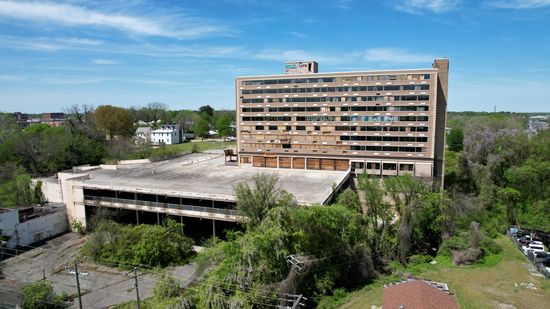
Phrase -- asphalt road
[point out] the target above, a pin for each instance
(100, 286)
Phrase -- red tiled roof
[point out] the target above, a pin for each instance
(417, 294)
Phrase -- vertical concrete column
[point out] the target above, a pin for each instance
(137, 217)
(158, 218)
(277, 161)
(305, 163)
(213, 227)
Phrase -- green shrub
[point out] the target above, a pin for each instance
(115, 244)
(419, 259)
(195, 148)
(40, 295)
(456, 243)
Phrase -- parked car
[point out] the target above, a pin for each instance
(532, 247)
(525, 240)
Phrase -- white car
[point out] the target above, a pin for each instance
(532, 247)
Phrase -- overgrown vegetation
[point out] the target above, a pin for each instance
(40, 295)
(91, 136)
(122, 246)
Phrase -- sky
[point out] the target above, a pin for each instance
(54, 54)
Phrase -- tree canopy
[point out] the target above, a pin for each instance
(114, 121)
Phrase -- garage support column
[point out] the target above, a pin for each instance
(305, 163)
(158, 218)
(213, 227)
(137, 217)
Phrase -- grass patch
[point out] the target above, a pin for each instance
(496, 280)
(190, 146)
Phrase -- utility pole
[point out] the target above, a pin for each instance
(136, 285)
(78, 285)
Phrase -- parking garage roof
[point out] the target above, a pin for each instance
(206, 176)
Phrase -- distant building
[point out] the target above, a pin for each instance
(389, 122)
(418, 294)
(25, 226)
(143, 134)
(167, 134)
(21, 119)
(53, 119)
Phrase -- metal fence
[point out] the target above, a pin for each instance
(94, 199)
(536, 262)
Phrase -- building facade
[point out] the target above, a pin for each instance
(383, 122)
(167, 134)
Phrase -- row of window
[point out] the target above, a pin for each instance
(383, 118)
(342, 118)
(339, 89)
(408, 108)
(406, 139)
(381, 129)
(388, 148)
(340, 99)
(315, 118)
(347, 128)
(335, 79)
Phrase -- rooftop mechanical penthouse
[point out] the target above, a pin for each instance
(383, 122)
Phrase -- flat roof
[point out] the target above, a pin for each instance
(206, 176)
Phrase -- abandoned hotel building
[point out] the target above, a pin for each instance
(299, 125)
(383, 122)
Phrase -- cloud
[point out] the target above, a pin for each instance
(421, 6)
(79, 41)
(182, 27)
(296, 34)
(287, 55)
(46, 44)
(395, 55)
(520, 4)
(104, 61)
(342, 4)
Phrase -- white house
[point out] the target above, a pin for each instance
(143, 134)
(167, 134)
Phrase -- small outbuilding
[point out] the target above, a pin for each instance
(418, 294)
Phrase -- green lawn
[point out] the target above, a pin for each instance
(496, 281)
(206, 145)
(176, 149)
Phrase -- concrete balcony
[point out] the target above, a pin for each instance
(221, 214)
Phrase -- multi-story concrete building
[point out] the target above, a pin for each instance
(383, 122)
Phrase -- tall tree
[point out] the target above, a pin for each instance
(186, 119)
(224, 126)
(265, 193)
(80, 120)
(406, 193)
(114, 121)
(455, 140)
(201, 128)
(206, 109)
(156, 111)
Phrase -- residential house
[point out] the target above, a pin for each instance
(167, 134)
(143, 135)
